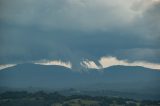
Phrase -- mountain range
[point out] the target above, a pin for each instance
(133, 79)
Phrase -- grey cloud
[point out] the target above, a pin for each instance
(77, 29)
(140, 54)
(78, 14)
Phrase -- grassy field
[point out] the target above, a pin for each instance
(78, 102)
(55, 99)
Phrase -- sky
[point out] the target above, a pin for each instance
(80, 31)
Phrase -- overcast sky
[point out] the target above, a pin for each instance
(74, 30)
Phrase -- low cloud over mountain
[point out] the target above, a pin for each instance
(76, 30)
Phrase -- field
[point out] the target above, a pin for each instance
(55, 99)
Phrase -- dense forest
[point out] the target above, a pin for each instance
(40, 98)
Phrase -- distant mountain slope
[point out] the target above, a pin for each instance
(26, 75)
(118, 78)
(131, 73)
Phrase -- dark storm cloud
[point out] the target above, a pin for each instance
(74, 30)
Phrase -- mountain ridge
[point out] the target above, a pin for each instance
(117, 78)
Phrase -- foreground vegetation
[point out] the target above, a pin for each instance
(55, 99)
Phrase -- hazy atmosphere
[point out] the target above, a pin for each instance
(79, 52)
(80, 31)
